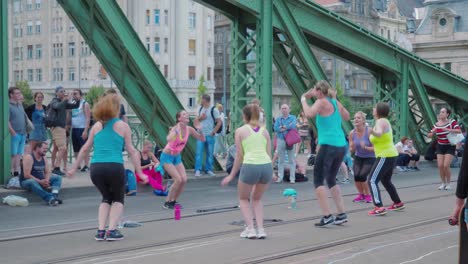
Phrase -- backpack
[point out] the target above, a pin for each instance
(130, 183)
(220, 129)
(50, 116)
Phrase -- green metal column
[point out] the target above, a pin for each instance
(402, 101)
(264, 60)
(5, 142)
(241, 81)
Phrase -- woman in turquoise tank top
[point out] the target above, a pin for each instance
(107, 136)
(253, 152)
(329, 113)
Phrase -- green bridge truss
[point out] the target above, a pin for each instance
(263, 32)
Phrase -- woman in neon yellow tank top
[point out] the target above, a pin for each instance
(253, 151)
(381, 136)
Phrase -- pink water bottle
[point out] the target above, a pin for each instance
(177, 212)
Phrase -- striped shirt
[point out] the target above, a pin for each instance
(442, 133)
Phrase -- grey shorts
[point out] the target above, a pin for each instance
(256, 173)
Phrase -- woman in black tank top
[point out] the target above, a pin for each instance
(149, 163)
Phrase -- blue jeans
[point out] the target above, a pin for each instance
(55, 183)
(208, 146)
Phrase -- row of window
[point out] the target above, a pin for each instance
(192, 19)
(57, 51)
(17, 7)
(192, 46)
(57, 73)
(36, 28)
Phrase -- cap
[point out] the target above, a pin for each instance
(58, 88)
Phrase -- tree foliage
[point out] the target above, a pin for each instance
(201, 90)
(93, 94)
(23, 85)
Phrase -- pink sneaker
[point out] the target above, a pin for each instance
(368, 198)
(359, 198)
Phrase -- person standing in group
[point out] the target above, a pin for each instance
(364, 157)
(36, 113)
(107, 137)
(220, 146)
(61, 103)
(210, 121)
(17, 128)
(171, 160)
(283, 124)
(122, 112)
(381, 136)
(445, 151)
(253, 152)
(328, 113)
(261, 119)
(303, 125)
(80, 121)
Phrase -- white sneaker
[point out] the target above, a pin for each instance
(210, 173)
(197, 173)
(448, 187)
(442, 186)
(261, 233)
(248, 233)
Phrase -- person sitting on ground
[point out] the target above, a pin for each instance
(407, 153)
(148, 163)
(36, 175)
(231, 156)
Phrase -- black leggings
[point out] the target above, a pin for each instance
(361, 168)
(383, 170)
(327, 164)
(109, 179)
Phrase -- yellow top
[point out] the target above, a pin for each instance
(383, 145)
(255, 148)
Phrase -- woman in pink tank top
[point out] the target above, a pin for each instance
(171, 161)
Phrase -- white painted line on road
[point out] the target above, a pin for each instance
(391, 244)
(153, 252)
(428, 254)
(308, 260)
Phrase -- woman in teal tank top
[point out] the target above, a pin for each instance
(253, 152)
(107, 136)
(329, 113)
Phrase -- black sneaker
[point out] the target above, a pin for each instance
(169, 205)
(340, 219)
(416, 169)
(100, 235)
(53, 202)
(58, 200)
(114, 235)
(325, 220)
(84, 169)
(58, 172)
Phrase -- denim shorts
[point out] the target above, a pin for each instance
(168, 158)
(17, 144)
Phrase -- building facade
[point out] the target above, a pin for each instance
(47, 50)
(442, 35)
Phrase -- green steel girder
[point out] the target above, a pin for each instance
(305, 55)
(241, 44)
(421, 97)
(264, 60)
(378, 53)
(117, 46)
(4, 104)
(402, 101)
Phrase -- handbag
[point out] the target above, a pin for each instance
(455, 138)
(292, 137)
(29, 124)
